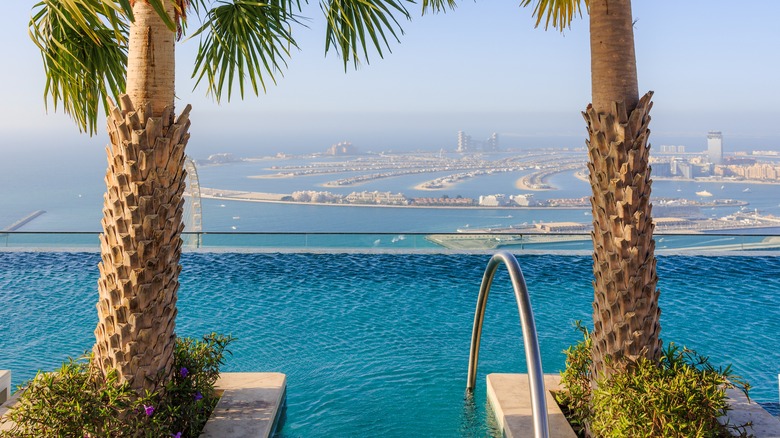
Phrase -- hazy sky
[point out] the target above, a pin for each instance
(482, 68)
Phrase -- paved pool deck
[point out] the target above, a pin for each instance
(250, 405)
(509, 396)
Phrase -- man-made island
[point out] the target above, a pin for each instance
(663, 206)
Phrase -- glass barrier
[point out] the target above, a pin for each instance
(400, 242)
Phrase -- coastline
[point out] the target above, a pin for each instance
(274, 198)
(539, 181)
(523, 183)
(581, 176)
(444, 186)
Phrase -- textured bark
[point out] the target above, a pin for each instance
(625, 306)
(141, 243)
(612, 55)
(150, 59)
(142, 213)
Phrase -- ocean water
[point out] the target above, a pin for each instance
(70, 189)
(377, 344)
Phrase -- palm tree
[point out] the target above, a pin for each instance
(625, 306)
(87, 47)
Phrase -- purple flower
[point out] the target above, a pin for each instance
(149, 410)
(176, 435)
(198, 396)
(184, 372)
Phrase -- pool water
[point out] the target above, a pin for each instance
(377, 344)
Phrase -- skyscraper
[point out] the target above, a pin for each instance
(491, 144)
(464, 142)
(715, 147)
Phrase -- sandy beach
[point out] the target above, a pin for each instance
(444, 186)
(524, 184)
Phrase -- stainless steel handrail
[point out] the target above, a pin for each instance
(532, 355)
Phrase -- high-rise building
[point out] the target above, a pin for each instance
(464, 142)
(715, 147)
(491, 144)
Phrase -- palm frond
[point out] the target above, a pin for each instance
(351, 23)
(438, 5)
(83, 46)
(241, 40)
(558, 13)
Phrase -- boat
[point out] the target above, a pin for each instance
(236, 217)
(704, 193)
(746, 190)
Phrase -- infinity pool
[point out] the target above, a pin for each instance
(377, 344)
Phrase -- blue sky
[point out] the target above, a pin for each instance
(482, 68)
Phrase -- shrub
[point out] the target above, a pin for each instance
(680, 396)
(78, 401)
(576, 379)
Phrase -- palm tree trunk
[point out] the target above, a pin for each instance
(142, 213)
(612, 57)
(625, 306)
(150, 59)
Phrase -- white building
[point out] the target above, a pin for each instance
(493, 200)
(524, 200)
(375, 197)
(715, 147)
(464, 142)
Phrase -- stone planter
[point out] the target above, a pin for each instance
(5, 386)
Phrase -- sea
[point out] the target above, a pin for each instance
(69, 188)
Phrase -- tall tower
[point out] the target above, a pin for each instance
(715, 147)
(464, 142)
(491, 145)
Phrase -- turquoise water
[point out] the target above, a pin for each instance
(377, 344)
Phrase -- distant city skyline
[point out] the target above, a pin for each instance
(481, 68)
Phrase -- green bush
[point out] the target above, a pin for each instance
(77, 401)
(680, 396)
(576, 379)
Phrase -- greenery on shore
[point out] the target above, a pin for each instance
(680, 396)
(77, 401)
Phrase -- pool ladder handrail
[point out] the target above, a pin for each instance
(533, 357)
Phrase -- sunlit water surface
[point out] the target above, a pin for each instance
(377, 345)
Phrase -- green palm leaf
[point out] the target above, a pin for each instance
(438, 5)
(351, 23)
(83, 46)
(242, 40)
